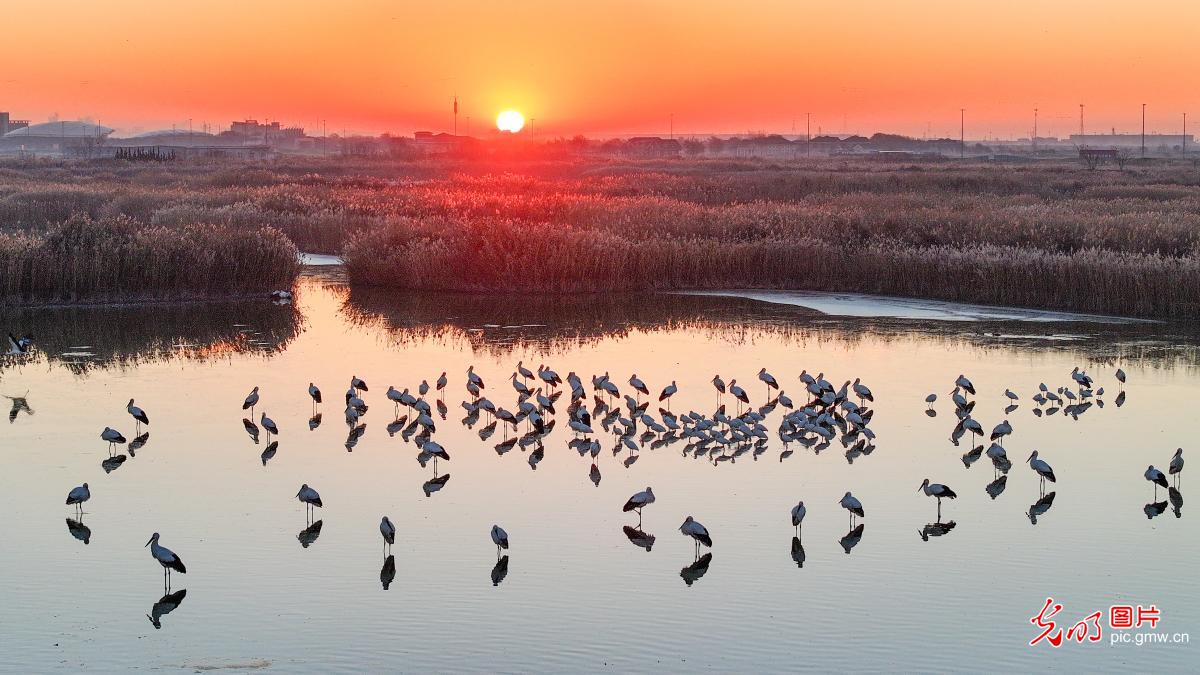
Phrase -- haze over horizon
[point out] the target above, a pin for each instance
(610, 68)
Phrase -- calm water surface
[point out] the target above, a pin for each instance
(266, 591)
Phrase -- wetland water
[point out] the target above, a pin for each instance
(581, 589)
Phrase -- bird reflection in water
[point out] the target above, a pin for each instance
(639, 538)
(797, 552)
(500, 570)
(165, 605)
(79, 530)
(851, 538)
(388, 573)
(594, 475)
(269, 452)
(996, 487)
(309, 535)
(355, 434)
(1175, 497)
(251, 428)
(434, 484)
(1040, 507)
(971, 456)
(936, 529)
(20, 404)
(113, 463)
(314, 422)
(138, 443)
(1120, 400)
(1154, 509)
(692, 573)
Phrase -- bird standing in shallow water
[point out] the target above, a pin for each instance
(78, 496)
(310, 497)
(692, 528)
(937, 490)
(167, 558)
(798, 513)
(139, 416)
(388, 531)
(639, 501)
(1041, 468)
(499, 538)
(851, 504)
(1176, 466)
(269, 424)
(251, 401)
(1157, 477)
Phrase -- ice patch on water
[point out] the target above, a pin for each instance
(877, 306)
(319, 259)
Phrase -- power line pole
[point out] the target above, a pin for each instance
(1035, 131)
(1184, 139)
(672, 126)
(1143, 130)
(808, 133)
(456, 115)
(1081, 122)
(962, 133)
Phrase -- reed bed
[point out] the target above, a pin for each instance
(1049, 236)
(120, 260)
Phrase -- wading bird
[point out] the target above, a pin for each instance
(851, 504)
(862, 392)
(251, 401)
(113, 437)
(963, 383)
(139, 416)
(667, 392)
(315, 394)
(768, 379)
(268, 424)
(309, 497)
(388, 531)
(1121, 377)
(937, 490)
(358, 384)
(692, 528)
(78, 496)
(499, 538)
(1157, 477)
(798, 513)
(1176, 466)
(19, 345)
(1041, 468)
(639, 501)
(167, 558)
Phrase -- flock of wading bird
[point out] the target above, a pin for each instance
(828, 414)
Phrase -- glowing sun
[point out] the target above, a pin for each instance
(510, 121)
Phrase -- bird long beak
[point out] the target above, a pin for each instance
(1029, 457)
(920, 487)
(148, 542)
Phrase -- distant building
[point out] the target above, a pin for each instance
(1115, 140)
(73, 139)
(652, 146)
(8, 124)
(428, 141)
(273, 134)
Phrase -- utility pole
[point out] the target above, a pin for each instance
(808, 133)
(1080, 122)
(1184, 139)
(456, 115)
(324, 139)
(962, 133)
(1143, 130)
(672, 126)
(1035, 131)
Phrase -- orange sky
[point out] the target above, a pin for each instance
(608, 67)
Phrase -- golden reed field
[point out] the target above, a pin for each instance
(1043, 236)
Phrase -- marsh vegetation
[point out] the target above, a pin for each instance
(1043, 236)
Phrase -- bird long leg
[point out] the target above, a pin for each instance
(939, 509)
